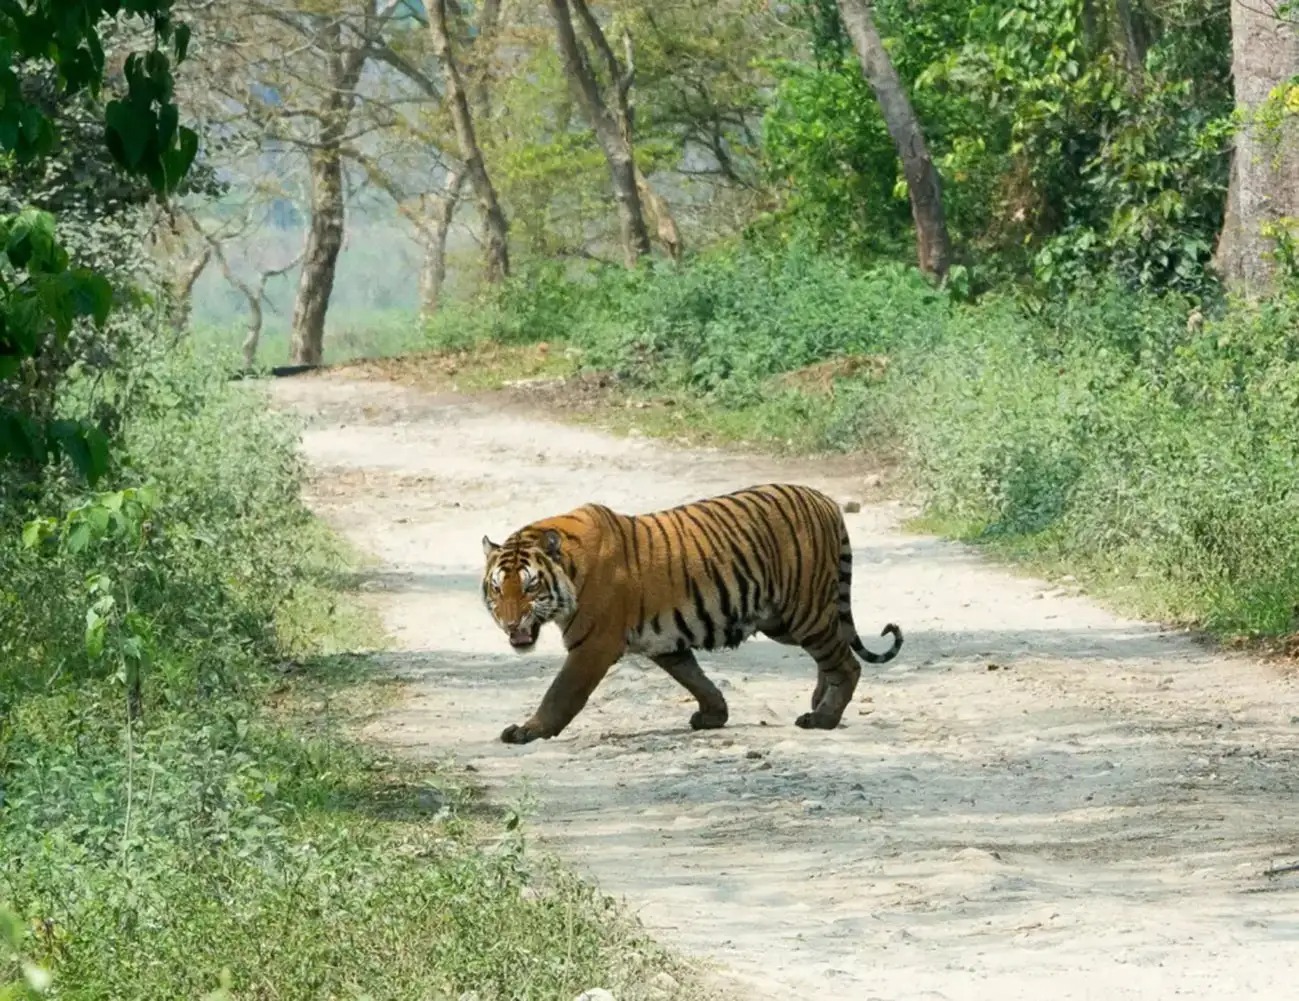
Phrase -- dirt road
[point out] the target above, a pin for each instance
(1035, 800)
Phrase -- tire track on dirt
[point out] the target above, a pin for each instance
(1037, 798)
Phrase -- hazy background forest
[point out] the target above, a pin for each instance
(1040, 252)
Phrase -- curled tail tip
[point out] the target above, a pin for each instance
(892, 630)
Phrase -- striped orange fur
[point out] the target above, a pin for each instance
(773, 559)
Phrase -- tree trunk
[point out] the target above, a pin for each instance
(923, 183)
(325, 232)
(615, 144)
(319, 259)
(183, 290)
(496, 229)
(438, 223)
(1135, 40)
(659, 213)
(1264, 185)
(254, 336)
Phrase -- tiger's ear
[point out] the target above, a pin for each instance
(489, 546)
(550, 542)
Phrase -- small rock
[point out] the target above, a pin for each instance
(595, 994)
(753, 755)
(994, 667)
(852, 506)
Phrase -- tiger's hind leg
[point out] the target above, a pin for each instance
(685, 670)
(837, 674)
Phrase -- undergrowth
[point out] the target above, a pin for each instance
(182, 812)
(1118, 434)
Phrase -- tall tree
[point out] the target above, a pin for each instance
(290, 71)
(923, 183)
(1264, 185)
(609, 118)
(495, 227)
(325, 229)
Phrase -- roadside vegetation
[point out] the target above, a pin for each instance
(184, 809)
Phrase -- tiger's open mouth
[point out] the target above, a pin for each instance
(524, 636)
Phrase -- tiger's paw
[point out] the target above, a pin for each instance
(814, 721)
(712, 719)
(518, 734)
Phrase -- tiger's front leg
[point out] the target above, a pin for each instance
(583, 670)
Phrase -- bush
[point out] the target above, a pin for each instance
(220, 843)
(1160, 458)
(727, 323)
(200, 572)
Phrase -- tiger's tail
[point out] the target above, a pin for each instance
(846, 625)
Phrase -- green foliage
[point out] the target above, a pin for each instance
(143, 129)
(38, 305)
(1061, 158)
(538, 303)
(42, 299)
(154, 862)
(179, 566)
(724, 325)
(1159, 457)
(826, 145)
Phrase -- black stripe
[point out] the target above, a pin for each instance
(745, 575)
(701, 609)
(764, 546)
(682, 625)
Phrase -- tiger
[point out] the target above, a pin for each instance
(772, 559)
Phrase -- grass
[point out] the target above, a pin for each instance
(236, 840)
(1121, 437)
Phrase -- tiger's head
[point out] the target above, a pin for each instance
(525, 586)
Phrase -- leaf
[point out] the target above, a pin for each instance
(178, 161)
(93, 296)
(98, 518)
(182, 34)
(129, 129)
(21, 437)
(78, 537)
(86, 446)
(37, 531)
(95, 630)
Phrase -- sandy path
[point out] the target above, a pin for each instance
(1091, 819)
